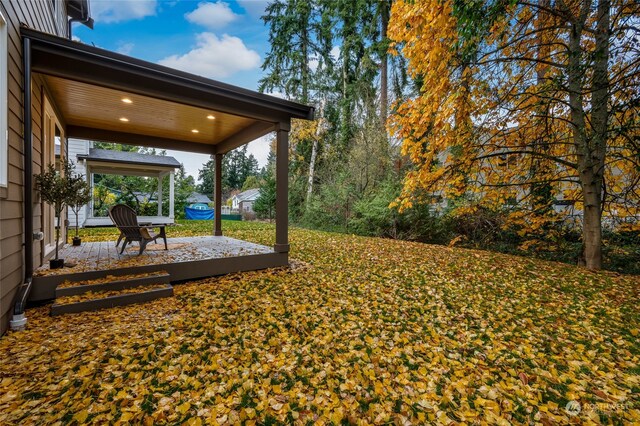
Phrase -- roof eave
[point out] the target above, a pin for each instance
(76, 61)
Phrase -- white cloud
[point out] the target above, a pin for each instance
(191, 161)
(276, 94)
(260, 149)
(124, 10)
(215, 57)
(125, 48)
(212, 15)
(334, 53)
(255, 8)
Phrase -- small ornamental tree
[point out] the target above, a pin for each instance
(56, 188)
(79, 195)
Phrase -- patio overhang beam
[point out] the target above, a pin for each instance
(244, 136)
(67, 59)
(104, 135)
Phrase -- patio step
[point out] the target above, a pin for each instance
(94, 300)
(110, 291)
(112, 282)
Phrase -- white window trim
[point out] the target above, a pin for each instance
(4, 104)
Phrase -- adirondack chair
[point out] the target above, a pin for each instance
(126, 220)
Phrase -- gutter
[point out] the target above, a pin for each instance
(86, 21)
(19, 321)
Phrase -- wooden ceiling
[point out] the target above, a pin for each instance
(98, 107)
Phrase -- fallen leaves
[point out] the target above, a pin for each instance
(93, 295)
(109, 279)
(422, 334)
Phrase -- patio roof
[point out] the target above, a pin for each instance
(107, 96)
(134, 158)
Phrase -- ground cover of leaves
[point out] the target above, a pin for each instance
(371, 331)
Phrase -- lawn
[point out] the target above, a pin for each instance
(360, 331)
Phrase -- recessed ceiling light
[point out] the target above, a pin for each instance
(127, 101)
(125, 119)
(211, 117)
(195, 131)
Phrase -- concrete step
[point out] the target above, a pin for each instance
(110, 282)
(92, 301)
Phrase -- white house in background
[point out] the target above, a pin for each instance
(243, 202)
(90, 161)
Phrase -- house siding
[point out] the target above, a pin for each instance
(42, 16)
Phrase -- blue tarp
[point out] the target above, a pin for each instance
(198, 214)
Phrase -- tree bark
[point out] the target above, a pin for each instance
(590, 146)
(305, 68)
(594, 166)
(314, 153)
(592, 226)
(384, 64)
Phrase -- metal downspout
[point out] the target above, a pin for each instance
(19, 320)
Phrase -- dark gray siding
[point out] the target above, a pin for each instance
(40, 15)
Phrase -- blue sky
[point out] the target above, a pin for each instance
(222, 40)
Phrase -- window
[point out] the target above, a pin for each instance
(4, 99)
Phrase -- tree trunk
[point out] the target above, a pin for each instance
(58, 213)
(600, 121)
(592, 226)
(305, 67)
(590, 156)
(75, 212)
(384, 64)
(314, 153)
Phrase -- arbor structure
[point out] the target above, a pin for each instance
(523, 103)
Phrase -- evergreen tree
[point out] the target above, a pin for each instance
(299, 36)
(237, 166)
(265, 204)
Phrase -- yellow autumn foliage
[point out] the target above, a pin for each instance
(366, 331)
(500, 126)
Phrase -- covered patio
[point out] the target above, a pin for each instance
(105, 96)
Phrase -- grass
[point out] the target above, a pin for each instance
(371, 331)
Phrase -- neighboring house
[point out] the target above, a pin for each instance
(197, 197)
(77, 91)
(243, 202)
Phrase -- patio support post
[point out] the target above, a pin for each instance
(217, 208)
(171, 195)
(282, 187)
(160, 195)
